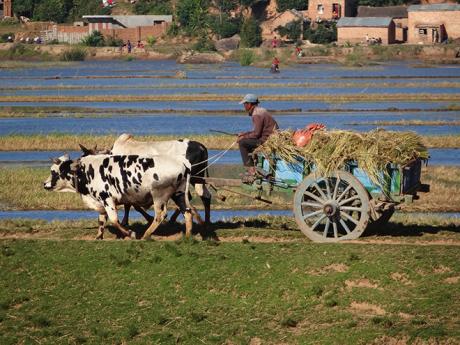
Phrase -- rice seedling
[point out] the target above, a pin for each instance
(64, 141)
(381, 97)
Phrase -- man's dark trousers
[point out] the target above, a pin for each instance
(247, 146)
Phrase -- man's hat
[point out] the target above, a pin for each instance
(250, 98)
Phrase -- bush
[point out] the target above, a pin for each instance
(54, 41)
(324, 33)
(227, 27)
(74, 54)
(4, 37)
(284, 5)
(19, 51)
(113, 42)
(151, 40)
(96, 39)
(204, 44)
(291, 30)
(250, 34)
(173, 30)
(246, 57)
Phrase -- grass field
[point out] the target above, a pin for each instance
(187, 292)
(29, 193)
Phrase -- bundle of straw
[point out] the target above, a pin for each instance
(331, 150)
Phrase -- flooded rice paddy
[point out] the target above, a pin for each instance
(449, 157)
(182, 118)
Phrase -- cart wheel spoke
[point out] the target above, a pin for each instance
(346, 201)
(326, 227)
(318, 221)
(350, 218)
(345, 226)
(343, 193)
(319, 189)
(336, 188)
(328, 189)
(351, 208)
(336, 233)
(313, 196)
(309, 215)
(312, 204)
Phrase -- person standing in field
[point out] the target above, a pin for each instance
(129, 46)
(263, 126)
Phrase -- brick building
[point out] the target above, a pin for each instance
(6, 8)
(433, 23)
(397, 13)
(357, 29)
(319, 10)
(133, 28)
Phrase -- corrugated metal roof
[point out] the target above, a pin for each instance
(387, 11)
(434, 8)
(364, 21)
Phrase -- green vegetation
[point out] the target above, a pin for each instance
(192, 16)
(204, 44)
(95, 39)
(23, 52)
(57, 10)
(180, 292)
(246, 57)
(324, 33)
(74, 54)
(291, 30)
(153, 7)
(283, 5)
(250, 34)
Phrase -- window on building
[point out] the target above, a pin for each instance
(320, 9)
(422, 31)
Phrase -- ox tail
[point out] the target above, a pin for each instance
(187, 187)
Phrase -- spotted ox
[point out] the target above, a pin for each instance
(193, 151)
(106, 181)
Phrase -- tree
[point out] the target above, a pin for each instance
(51, 10)
(283, 5)
(193, 16)
(250, 33)
(224, 26)
(24, 8)
(291, 30)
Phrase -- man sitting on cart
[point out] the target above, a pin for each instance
(264, 125)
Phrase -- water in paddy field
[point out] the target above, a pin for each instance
(217, 215)
(183, 125)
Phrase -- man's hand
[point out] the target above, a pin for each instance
(240, 136)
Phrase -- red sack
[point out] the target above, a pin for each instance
(302, 137)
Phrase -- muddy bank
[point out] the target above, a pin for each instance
(355, 55)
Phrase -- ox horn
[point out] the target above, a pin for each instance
(87, 151)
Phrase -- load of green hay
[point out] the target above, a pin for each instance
(331, 150)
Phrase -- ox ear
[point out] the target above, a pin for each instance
(56, 161)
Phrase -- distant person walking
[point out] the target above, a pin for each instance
(128, 45)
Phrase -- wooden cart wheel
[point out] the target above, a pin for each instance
(331, 209)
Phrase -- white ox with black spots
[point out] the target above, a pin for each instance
(194, 152)
(107, 181)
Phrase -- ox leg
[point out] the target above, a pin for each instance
(113, 216)
(205, 196)
(174, 216)
(147, 216)
(125, 220)
(102, 219)
(179, 199)
(160, 215)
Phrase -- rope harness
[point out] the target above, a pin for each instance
(213, 159)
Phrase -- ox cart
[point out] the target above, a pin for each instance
(339, 206)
